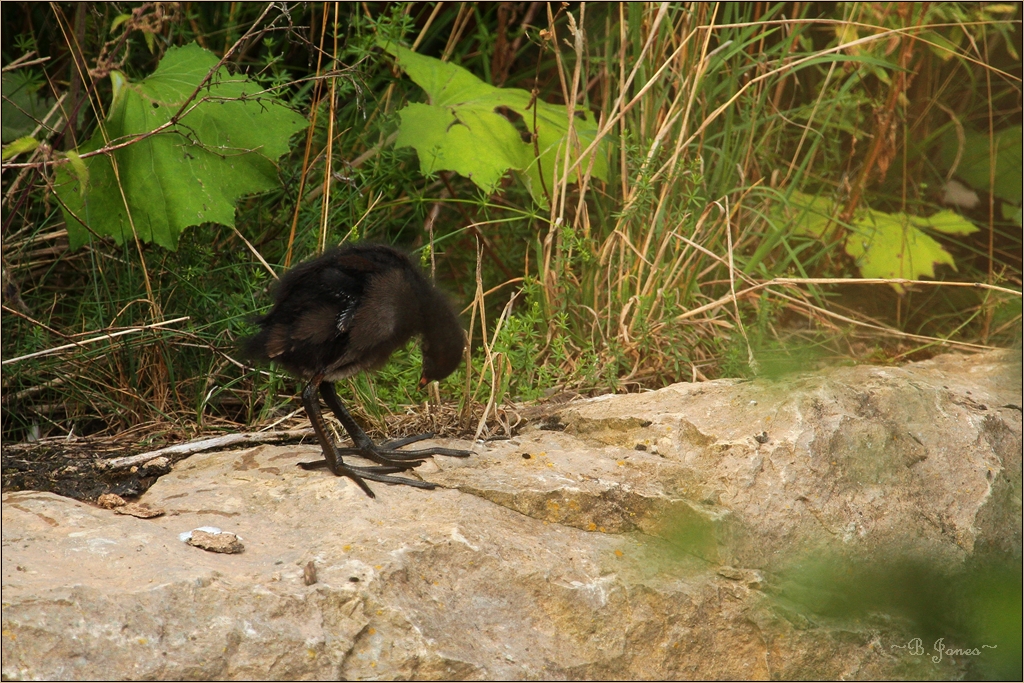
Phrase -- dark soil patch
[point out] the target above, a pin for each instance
(71, 472)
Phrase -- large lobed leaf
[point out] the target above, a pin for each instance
(467, 127)
(893, 245)
(225, 146)
(883, 245)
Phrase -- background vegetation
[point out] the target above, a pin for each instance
(754, 152)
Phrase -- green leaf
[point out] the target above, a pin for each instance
(883, 245)
(224, 146)
(118, 20)
(21, 106)
(444, 142)
(974, 161)
(947, 222)
(481, 132)
(19, 146)
(80, 170)
(892, 245)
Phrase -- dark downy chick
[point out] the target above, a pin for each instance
(347, 311)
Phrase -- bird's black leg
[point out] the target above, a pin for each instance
(332, 454)
(312, 404)
(359, 438)
(386, 454)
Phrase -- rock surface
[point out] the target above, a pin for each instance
(552, 555)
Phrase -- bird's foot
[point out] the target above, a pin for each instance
(389, 459)
(359, 474)
(388, 454)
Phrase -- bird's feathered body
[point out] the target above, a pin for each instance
(350, 309)
(345, 312)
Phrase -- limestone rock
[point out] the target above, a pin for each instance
(556, 554)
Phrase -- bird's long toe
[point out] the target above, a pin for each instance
(421, 453)
(394, 444)
(323, 464)
(382, 474)
(403, 461)
(389, 449)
